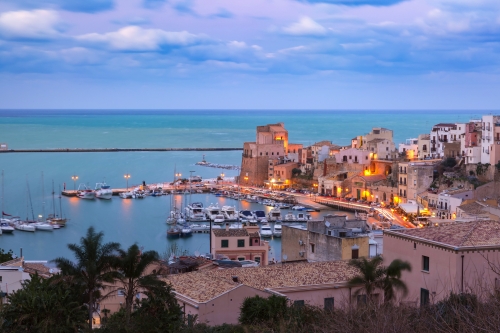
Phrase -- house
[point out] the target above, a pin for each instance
(410, 148)
(334, 238)
(414, 177)
(352, 155)
(423, 149)
(215, 297)
(490, 140)
(450, 258)
(240, 244)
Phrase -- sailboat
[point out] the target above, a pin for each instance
(43, 225)
(53, 218)
(6, 219)
(174, 219)
(26, 225)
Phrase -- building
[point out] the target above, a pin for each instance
(361, 186)
(445, 259)
(490, 140)
(240, 244)
(450, 199)
(352, 155)
(410, 148)
(472, 142)
(3, 146)
(424, 141)
(215, 297)
(414, 177)
(334, 238)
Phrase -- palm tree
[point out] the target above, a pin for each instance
(93, 267)
(134, 276)
(370, 277)
(373, 275)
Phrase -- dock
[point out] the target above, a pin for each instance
(343, 205)
(110, 150)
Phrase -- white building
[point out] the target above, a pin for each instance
(410, 147)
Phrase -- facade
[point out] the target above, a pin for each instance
(410, 148)
(380, 149)
(378, 133)
(280, 172)
(424, 150)
(352, 155)
(440, 134)
(240, 244)
(445, 259)
(215, 297)
(490, 140)
(334, 238)
(449, 200)
(419, 176)
(362, 185)
(271, 143)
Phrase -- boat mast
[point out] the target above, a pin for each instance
(43, 199)
(60, 205)
(53, 199)
(2, 193)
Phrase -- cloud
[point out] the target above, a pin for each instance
(137, 39)
(374, 3)
(87, 6)
(222, 13)
(153, 4)
(305, 27)
(36, 24)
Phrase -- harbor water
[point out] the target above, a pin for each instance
(143, 221)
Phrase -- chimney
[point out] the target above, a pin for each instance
(227, 226)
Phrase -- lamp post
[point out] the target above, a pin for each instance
(75, 178)
(222, 178)
(126, 176)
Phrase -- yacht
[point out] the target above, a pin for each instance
(277, 230)
(289, 217)
(194, 212)
(186, 231)
(126, 195)
(219, 219)
(298, 208)
(24, 227)
(274, 215)
(265, 231)
(211, 211)
(246, 215)
(301, 217)
(229, 213)
(43, 226)
(260, 216)
(84, 192)
(103, 191)
(6, 228)
(237, 225)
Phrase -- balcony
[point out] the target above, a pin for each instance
(443, 140)
(433, 141)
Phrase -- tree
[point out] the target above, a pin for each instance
(374, 275)
(296, 172)
(449, 162)
(93, 267)
(132, 273)
(258, 309)
(44, 305)
(6, 256)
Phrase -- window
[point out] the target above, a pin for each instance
(329, 301)
(386, 148)
(260, 153)
(241, 258)
(224, 243)
(361, 299)
(424, 297)
(267, 153)
(312, 248)
(0, 278)
(355, 254)
(299, 303)
(425, 263)
(257, 259)
(120, 292)
(241, 243)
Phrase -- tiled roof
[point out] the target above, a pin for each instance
(473, 208)
(17, 262)
(254, 234)
(477, 233)
(376, 140)
(230, 232)
(203, 286)
(39, 268)
(444, 125)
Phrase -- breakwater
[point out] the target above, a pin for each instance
(110, 150)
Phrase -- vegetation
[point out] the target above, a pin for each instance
(373, 275)
(449, 162)
(44, 305)
(6, 256)
(482, 168)
(296, 172)
(93, 268)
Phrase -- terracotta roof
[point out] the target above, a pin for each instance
(254, 234)
(39, 268)
(473, 208)
(465, 234)
(203, 286)
(17, 262)
(230, 232)
(444, 125)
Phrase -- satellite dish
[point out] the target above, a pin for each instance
(327, 224)
(285, 257)
(196, 253)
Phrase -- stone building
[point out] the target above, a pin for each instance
(414, 178)
(334, 238)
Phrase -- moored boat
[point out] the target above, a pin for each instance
(103, 191)
(277, 230)
(24, 227)
(6, 228)
(174, 232)
(84, 192)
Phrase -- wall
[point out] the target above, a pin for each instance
(290, 244)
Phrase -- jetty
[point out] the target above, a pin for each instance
(110, 150)
(343, 205)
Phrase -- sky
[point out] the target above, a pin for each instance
(250, 54)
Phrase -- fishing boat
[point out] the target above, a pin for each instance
(174, 232)
(103, 191)
(53, 218)
(84, 192)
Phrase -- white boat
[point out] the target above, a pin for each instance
(103, 191)
(186, 231)
(265, 231)
(194, 212)
(175, 217)
(211, 211)
(277, 230)
(84, 192)
(237, 225)
(6, 228)
(229, 213)
(274, 215)
(246, 215)
(24, 227)
(289, 217)
(43, 226)
(298, 208)
(260, 216)
(301, 217)
(219, 219)
(138, 195)
(126, 195)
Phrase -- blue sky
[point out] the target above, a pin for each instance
(247, 54)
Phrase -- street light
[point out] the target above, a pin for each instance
(75, 178)
(222, 178)
(126, 176)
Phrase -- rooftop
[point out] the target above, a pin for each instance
(230, 232)
(473, 208)
(204, 286)
(445, 125)
(465, 234)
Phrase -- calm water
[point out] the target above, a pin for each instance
(143, 221)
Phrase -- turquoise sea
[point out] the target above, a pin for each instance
(143, 221)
